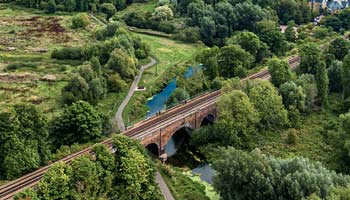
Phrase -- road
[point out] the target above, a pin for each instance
(119, 114)
(138, 131)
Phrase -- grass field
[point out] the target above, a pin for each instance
(138, 8)
(169, 53)
(317, 139)
(29, 35)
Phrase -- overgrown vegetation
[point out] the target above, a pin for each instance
(104, 175)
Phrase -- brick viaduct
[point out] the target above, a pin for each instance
(160, 138)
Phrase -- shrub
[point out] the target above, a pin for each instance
(116, 83)
(80, 21)
(18, 65)
(292, 137)
(190, 34)
(108, 9)
(166, 26)
(68, 53)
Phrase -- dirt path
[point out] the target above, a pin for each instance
(163, 187)
(119, 114)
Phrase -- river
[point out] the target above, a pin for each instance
(158, 101)
(187, 156)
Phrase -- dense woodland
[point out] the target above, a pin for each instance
(242, 37)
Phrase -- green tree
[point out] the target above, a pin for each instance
(346, 76)
(334, 22)
(246, 15)
(135, 177)
(51, 6)
(122, 63)
(242, 175)
(96, 66)
(233, 61)
(268, 32)
(237, 119)
(23, 159)
(310, 54)
(108, 9)
(79, 123)
(56, 183)
(335, 76)
(268, 103)
(97, 90)
(322, 82)
(308, 83)
(339, 47)
(193, 85)
(116, 83)
(120, 4)
(77, 89)
(250, 42)
(208, 57)
(86, 72)
(27, 194)
(69, 5)
(177, 96)
(162, 13)
(279, 71)
(293, 95)
(86, 180)
(80, 20)
(23, 140)
(290, 33)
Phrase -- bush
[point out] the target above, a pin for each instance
(108, 9)
(190, 34)
(18, 65)
(292, 137)
(116, 83)
(80, 21)
(166, 26)
(68, 53)
(135, 19)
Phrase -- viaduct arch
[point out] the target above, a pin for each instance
(156, 141)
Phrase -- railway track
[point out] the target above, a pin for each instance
(138, 131)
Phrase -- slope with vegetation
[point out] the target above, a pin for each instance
(283, 139)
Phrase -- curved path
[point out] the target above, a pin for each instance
(119, 114)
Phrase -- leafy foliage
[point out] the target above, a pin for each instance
(280, 72)
(78, 123)
(268, 104)
(242, 175)
(23, 140)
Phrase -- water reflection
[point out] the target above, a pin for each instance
(158, 101)
(205, 172)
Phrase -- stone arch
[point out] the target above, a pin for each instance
(208, 120)
(180, 136)
(153, 149)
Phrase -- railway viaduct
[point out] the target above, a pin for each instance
(154, 133)
(156, 141)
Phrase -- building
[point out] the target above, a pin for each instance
(318, 5)
(331, 6)
(334, 5)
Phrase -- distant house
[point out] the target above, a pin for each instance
(329, 5)
(318, 5)
(335, 5)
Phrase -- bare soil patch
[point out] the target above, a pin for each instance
(18, 78)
